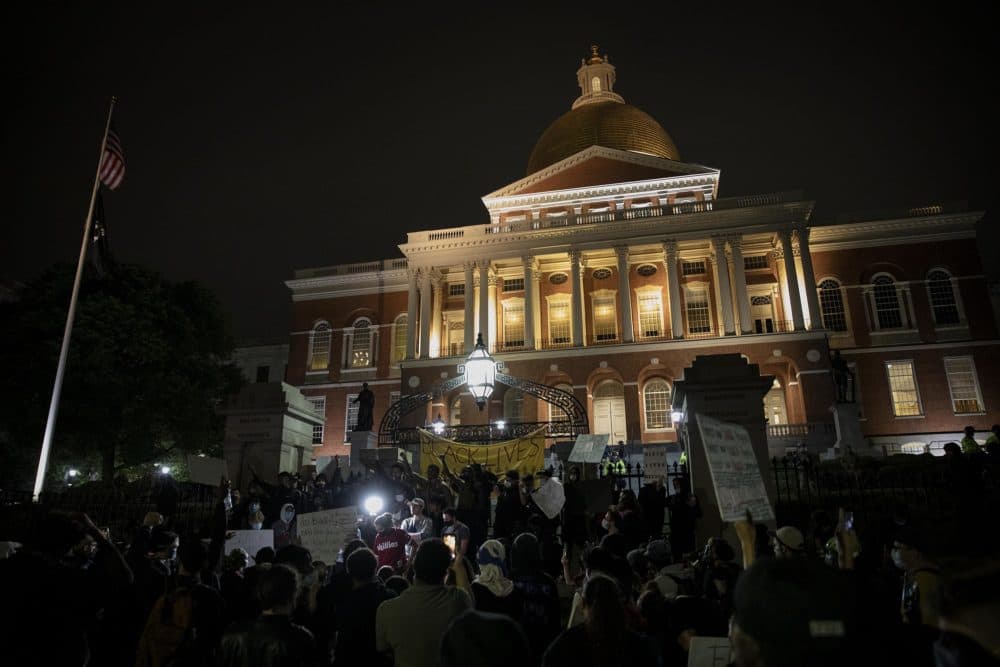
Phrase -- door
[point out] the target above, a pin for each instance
(762, 314)
(774, 404)
(609, 410)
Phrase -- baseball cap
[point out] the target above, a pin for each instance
(790, 537)
(418, 501)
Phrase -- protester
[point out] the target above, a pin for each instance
(653, 504)
(355, 644)
(483, 640)
(492, 590)
(390, 543)
(922, 578)
(458, 530)
(684, 512)
(788, 542)
(540, 609)
(418, 525)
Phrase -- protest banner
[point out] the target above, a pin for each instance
(526, 455)
(735, 473)
(206, 470)
(589, 448)
(654, 462)
(250, 541)
(324, 534)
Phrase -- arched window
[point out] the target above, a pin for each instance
(361, 344)
(656, 399)
(944, 305)
(319, 347)
(455, 414)
(513, 405)
(399, 333)
(831, 305)
(888, 313)
(595, 84)
(555, 412)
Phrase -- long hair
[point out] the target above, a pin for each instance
(604, 616)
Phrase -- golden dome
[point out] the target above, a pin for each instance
(608, 124)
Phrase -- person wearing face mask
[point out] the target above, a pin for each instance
(788, 542)
(284, 531)
(151, 579)
(453, 526)
(921, 579)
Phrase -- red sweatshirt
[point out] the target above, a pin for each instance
(390, 548)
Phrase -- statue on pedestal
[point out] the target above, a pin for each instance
(842, 378)
(366, 406)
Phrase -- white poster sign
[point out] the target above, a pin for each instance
(325, 533)
(206, 470)
(735, 474)
(589, 448)
(250, 541)
(654, 462)
(550, 498)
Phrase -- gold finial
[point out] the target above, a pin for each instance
(594, 56)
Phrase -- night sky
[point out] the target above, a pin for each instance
(259, 142)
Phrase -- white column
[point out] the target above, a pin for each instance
(411, 314)
(740, 281)
(437, 334)
(529, 302)
(493, 307)
(470, 325)
(625, 294)
(722, 285)
(484, 301)
(425, 313)
(791, 279)
(576, 276)
(673, 288)
(536, 325)
(809, 278)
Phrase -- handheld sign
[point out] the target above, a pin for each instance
(589, 448)
(324, 534)
(735, 474)
(250, 541)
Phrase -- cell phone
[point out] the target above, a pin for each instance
(450, 541)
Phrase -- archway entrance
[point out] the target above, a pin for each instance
(775, 408)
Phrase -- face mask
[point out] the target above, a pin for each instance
(778, 551)
(448, 521)
(227, 502)
(254, 507)
(172, 553)
(897, 559)
(399, 497)
(287, 514)
(256, 526)
(605, 524)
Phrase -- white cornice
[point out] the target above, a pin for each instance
(894, 232)
(512, 190)
(321, 287)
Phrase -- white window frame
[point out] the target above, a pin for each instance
(513, 406)
(347, 416)
(604, 294)
(399, 339)
(647, 292)
(955, 297)
(319, 407)
(645, 406)
(689, 289)
(506, 306)
(842, 293)
(322, 328)
(560, 300)
(349, 351)
(916, 387)
(904, 320)
(555, 410)
(975, 384)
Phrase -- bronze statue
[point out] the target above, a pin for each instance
(366, 405)
(842, 378)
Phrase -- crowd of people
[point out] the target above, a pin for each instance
(473, 569)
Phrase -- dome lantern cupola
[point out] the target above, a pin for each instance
(596, 77)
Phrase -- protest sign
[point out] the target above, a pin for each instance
(550, 498)
(206, 470)
(654, 461)
(250, 541)
(526, 455)
(735, 473)
(709, 652)
(324, 534)
(589, 448)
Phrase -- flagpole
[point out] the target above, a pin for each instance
(50, 424)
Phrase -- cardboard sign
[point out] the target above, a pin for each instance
(654, 462)
(709, 652)
(250, 541)
(550, 498)
(735, 473)
(589, 448)
(206, 470)
(324, 534)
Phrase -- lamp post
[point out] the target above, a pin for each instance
(438, 425)
(480, 373)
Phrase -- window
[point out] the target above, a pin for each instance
(605, 321)
(513, 323)
(887, 311)
(351, 418)
(399, 333)
(656, 398)
(559, 319)
(650, 314)
(263, 372)
(964, 385)
(456, 289)
(513, 405)
(555, 412)
(831, 305)
(942, 295)
(595, 84)
(319, 347)
(695, 268)
(699, 320)
(361, 344)
(319, 407)
(513, 284)
(903, 388)
(755, 262)
(455, 414)
(456, 337)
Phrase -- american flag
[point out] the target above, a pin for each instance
(113, 162)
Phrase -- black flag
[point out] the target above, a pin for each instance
(100, 253)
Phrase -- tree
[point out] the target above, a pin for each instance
(145, 374)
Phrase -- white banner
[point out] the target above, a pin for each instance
(735, 474)
(324, 534)
(251, 541)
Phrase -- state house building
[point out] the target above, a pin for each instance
(612, 264)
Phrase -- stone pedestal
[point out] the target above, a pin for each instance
(268, 427)
(848, 424)
(361, 440)
(728, 388)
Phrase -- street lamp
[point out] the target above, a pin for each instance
(480, 373)
(438, 425)
(73, 472)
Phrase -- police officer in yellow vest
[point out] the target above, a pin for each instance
(969, 444)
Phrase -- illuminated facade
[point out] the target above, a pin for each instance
(612, 264)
